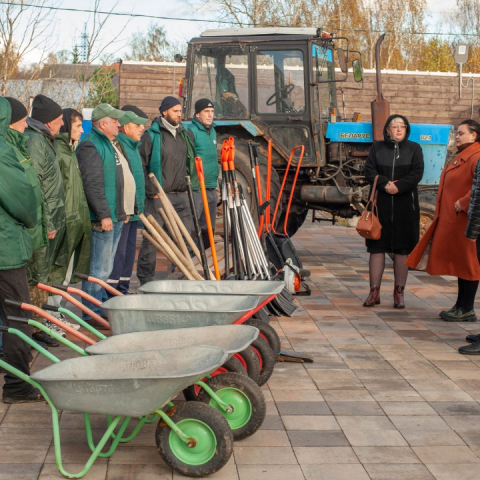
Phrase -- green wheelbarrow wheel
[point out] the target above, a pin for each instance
(212, 436)
(246, 397)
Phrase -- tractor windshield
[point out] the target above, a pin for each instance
(221, 73)
(323, 72)
(280, 81)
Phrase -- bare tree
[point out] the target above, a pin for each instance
(24, 28)
(97, 45)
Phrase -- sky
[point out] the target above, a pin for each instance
(69, 25)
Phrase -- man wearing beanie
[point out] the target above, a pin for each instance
(202, 131)
(168, 152)
(36, 268)
(132, 126)
(43, 124)
(110, 190)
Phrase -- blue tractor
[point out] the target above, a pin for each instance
(280, 84)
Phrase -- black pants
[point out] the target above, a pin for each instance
(14, 286)
(212, 198)
(467, 289)
(147, 257)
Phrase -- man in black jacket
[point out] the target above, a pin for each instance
(167, 151)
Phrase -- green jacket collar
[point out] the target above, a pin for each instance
(64, 138)
(201, 126)
(18, 140)
(128, 141)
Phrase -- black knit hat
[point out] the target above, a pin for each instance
(45, 110)
(135, 110)
(202, 104)
(18, 109)
(168, 103)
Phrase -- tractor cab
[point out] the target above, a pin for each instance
(276, 83)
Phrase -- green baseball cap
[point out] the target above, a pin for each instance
(131, 117)
(105, 110)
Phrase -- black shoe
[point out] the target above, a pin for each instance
(472, 338)
(451, 311)
(32, 397)
(460, 316)
(42, 337)
(472, 349)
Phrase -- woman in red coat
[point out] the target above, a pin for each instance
(451, 253)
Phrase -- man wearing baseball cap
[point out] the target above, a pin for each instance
(202, 130)
(132, 125)
(110, 191)
(168, 152)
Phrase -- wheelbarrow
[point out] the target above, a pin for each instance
(238, 398)
(132, 313)
(263, 290)
(193, 438)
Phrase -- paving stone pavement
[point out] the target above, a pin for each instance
(387, 398)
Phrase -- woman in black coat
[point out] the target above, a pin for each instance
(398, 162)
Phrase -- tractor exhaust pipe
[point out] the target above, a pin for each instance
(380, 106)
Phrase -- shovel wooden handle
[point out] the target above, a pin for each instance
(165, 201)
(168, 251)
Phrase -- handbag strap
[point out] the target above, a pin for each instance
(373, 196)
(374, 189)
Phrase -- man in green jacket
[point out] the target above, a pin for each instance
(110, 191)
(37, 268)
(202, 130)
(78, 225)
(131, 130)
(18, 211)
(44, 123)
(168, 152)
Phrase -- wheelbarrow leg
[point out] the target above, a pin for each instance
(96, 451)
(136, 430)
(116, 439)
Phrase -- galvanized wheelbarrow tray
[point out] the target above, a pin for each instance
(200, 440)
(133, 384)
(140, 313)
(263, 289)
(230, 338)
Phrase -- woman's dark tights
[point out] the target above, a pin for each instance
(467, 289)
(377, 267)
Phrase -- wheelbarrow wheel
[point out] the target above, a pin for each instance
(231, 366)
(268, 333)
(212, 433)
(246, 397)
(266, 357)
(250, 362)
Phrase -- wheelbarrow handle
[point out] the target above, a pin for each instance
(3, 329)
(13, 318)
(13, 303)
(51, 308)
(64, 288)
(81, 276)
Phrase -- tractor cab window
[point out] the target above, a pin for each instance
(280, 82)
(221, 74)
(323, 71)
